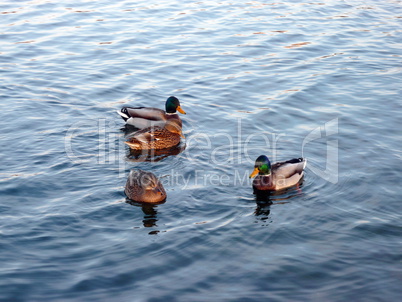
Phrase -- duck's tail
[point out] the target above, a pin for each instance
(123, 113)
(305, 162)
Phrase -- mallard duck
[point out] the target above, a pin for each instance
(143, 117)
(279, 176)
(143, 186)
(158, 137)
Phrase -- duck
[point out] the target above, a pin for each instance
(161, 136)
(144, 186)
(279, 176)
(144, 117)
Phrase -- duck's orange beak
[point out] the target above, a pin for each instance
(181, 110)
(254, 173)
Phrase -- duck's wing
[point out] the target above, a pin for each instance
(287, 169)
(144, 136)
(150, 181)
(133, 181)
(148, 134)
(153, 114)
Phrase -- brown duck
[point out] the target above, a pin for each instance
(143, 186)
(161, 136)
(279, 176)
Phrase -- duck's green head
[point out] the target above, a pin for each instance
(262, 166)
(173, 105)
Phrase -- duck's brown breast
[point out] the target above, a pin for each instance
(263, 183)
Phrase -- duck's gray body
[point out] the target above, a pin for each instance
(144, 117)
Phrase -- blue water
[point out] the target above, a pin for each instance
(286, 79)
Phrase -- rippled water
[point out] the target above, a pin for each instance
(286, 79)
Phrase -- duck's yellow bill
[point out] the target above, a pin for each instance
(181, 110)
(254, 173)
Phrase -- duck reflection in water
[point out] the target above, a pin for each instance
(150, 214)
(263, 210)
(154, 155)
(266, 199)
